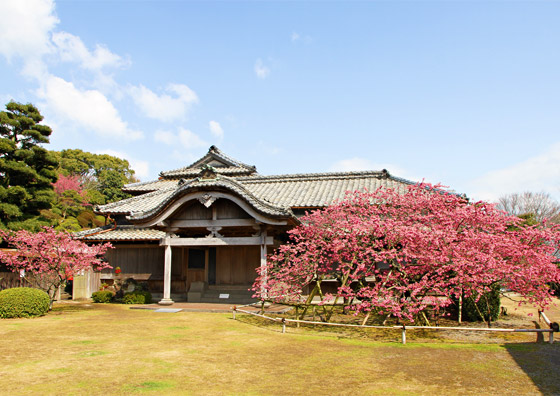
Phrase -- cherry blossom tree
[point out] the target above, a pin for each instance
(400, 252)
(48, 259)
(65, 183)
(70, 196)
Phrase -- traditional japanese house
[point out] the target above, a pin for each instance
(200, 232)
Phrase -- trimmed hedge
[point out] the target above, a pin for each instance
(23, 302)
(137, 297)
(103, 296)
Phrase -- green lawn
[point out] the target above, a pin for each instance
(112, 349)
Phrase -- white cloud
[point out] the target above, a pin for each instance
(184, 137)
(216, 130)
(25, 28)
(261, 70)
(190, 140)
(25, 33)
(140, 167)
(164, 107)
(183, 157)
(536, 174)
(165, 137)
(71, 48)
(298, 37)
(89, 109)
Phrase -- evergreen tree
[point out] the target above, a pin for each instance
(100, 173)
(27, 170)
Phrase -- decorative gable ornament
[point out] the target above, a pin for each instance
(207, 172)
(207, 200)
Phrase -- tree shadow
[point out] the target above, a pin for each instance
(540, 336)
(540, 361)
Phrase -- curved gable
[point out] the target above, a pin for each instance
(208, 191)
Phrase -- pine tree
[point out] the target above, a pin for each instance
(27, 170)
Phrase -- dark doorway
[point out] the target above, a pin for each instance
(212, 266)
(196, 258)
(196, 266)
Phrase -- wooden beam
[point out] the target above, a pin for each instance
(241, 241)
(213, 223)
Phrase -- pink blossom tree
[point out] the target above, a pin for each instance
(65, 183)
(400, 252)
(70, 195)
(48, 259)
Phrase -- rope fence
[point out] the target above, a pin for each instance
(553, 326)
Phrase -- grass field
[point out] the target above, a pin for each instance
(111, 349)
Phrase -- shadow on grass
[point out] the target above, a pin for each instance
(541, 362)
(259, 322)
(69, 308)
(388, 335)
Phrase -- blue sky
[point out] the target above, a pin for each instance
(466, 93)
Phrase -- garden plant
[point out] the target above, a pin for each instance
(401, 253)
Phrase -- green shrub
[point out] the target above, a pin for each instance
(488, 305)
(137, 297)
(103, 296)
(23, 302)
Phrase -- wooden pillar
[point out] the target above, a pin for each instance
(263, 262)
(80, 286)
(166, 300)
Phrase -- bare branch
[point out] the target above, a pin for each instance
(540, 204)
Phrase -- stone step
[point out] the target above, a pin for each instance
(230, 298)
(215, 300)
(229, 287)
(231, 293)
(228, 291)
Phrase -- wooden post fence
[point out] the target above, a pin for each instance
(554, 327)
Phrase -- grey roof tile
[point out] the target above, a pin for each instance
(149, 186)
(220, 182)
(140, 203)
(121, 233)
(230, 166)
(273, 195)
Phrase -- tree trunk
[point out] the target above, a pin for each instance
(344, 280)
(460, 314)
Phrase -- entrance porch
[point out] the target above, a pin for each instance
(213, 268)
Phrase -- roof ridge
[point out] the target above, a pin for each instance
(217, 151)
(213, 153)
(140, 183)
(134, 198)
(322, 175)
(89, 231)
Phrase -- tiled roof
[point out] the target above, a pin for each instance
(228, 171)
(141, 203)
(228, 166)
(149, 186)
(121, 233)
(218, 183)
(270, 195)
(318, 189)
